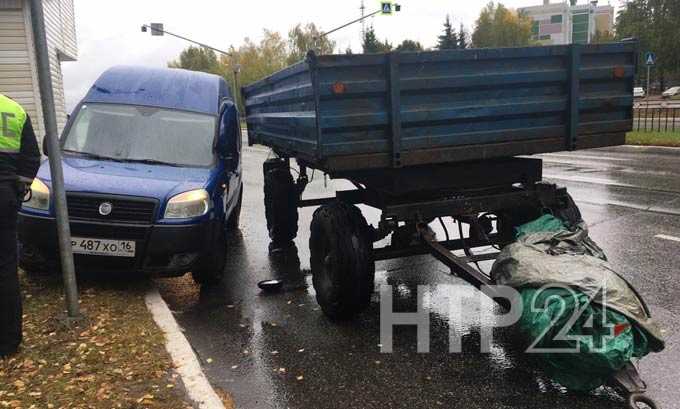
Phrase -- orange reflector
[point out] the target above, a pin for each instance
(619, 72)
(339, 88)
(619, 328)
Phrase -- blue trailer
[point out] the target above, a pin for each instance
(428, 135)
(350, 112)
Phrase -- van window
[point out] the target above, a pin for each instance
(137, 133)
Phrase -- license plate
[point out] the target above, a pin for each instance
(102, 247)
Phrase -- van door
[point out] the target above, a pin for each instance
(229, 148)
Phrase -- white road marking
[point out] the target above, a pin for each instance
(652, 148)
(197, 386)
(588, 179)
(666, 237)
(591, 157)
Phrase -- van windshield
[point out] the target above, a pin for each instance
(142, 134)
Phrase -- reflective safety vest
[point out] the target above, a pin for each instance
(12, 120)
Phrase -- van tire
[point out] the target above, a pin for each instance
(341, 250)
(211, 271)
(235, 216)
(280, 203)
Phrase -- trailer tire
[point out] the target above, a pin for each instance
(280, 203)
(343, 270)
(509, 219)
(568, 211)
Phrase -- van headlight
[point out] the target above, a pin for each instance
(40, 196)
(190, 204)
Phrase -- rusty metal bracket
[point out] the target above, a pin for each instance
(628, 380)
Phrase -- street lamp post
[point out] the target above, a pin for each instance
(157, 29)
(56, 171)
(237, 71)
(385, 8)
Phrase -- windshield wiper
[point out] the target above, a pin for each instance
(92, 155)
(96, 156)
(152, 162)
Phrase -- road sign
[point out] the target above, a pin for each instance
(650, 58)
(386, 7)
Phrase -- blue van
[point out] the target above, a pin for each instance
(152, 169)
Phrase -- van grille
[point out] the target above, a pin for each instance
(107, 231)
(123, 209)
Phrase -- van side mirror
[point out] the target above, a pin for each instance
(229, 130)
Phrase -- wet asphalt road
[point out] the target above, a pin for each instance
(279, 351)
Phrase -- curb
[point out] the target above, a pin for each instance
(654, 149)
(187, 366)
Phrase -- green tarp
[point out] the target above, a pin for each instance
(583, 319)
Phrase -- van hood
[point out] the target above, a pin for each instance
(127, 178)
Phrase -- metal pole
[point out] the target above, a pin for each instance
(237, 92)
(649, 67)
(188, 39)
(348, 24)
(59, 194)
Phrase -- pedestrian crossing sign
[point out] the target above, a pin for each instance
(388, 8)
(650, 58)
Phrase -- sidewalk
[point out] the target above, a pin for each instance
(116, 357)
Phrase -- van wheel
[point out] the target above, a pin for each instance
(235, 216)
(211, 270)
(343, 270)
(280, 202)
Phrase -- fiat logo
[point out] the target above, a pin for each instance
(105, 208)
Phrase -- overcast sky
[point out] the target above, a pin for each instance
(109, 31)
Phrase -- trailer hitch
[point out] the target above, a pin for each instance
(628, 380)
(459, 266)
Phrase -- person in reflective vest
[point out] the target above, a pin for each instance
(19, 162)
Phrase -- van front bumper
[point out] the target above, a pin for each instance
(163, 250)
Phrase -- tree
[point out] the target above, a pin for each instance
(447, 40)
(603, 37)
(409, 45)
(304, 38)
(654, 24)
(498, 26)
(371, 44)
(197, 59)
(462, 37)
(255, 61)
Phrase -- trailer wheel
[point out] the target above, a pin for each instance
(567, 211)
(342, 264)
(280, 203)
(508, 219)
